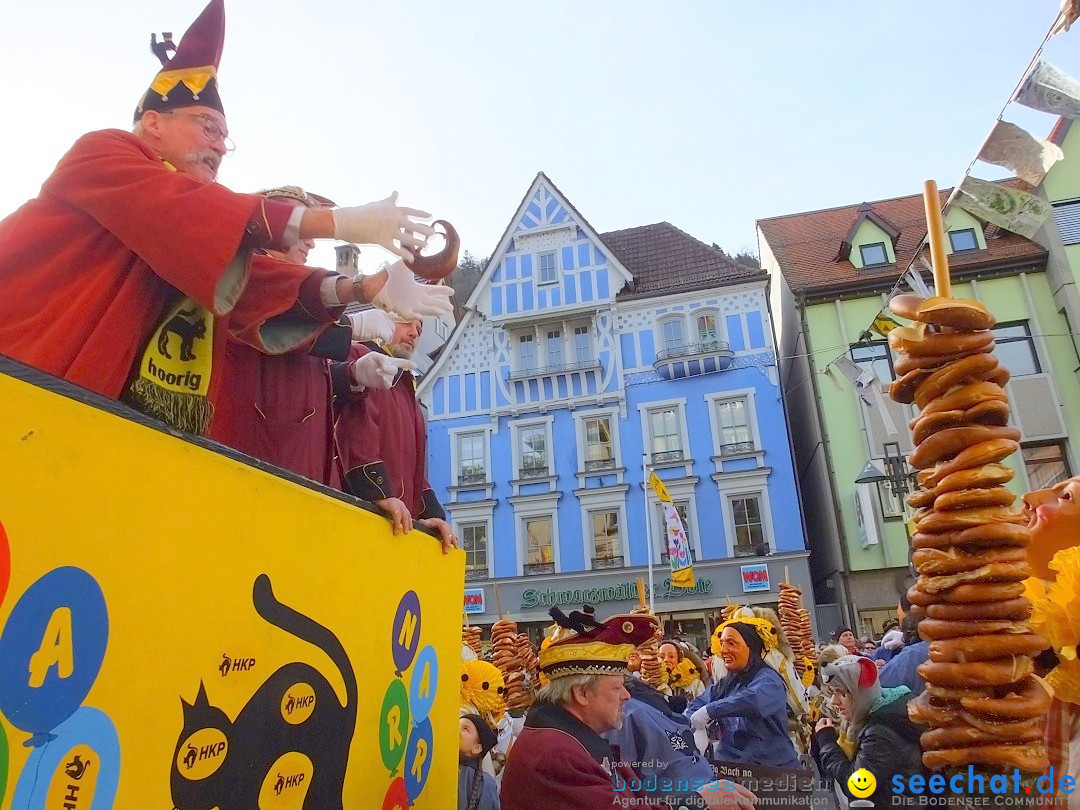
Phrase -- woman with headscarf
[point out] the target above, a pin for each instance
(749, 704)
(886, 741)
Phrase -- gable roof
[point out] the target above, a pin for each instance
(663, 258)
(805, 245)
(866, 212)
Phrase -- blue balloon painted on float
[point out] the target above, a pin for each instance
(425, 680)
(418, 755)
(406, 633)
(36, 650)
(87, 726)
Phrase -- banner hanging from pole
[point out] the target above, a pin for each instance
(678, 546)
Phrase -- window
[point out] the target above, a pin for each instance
(599, 454)
(706, 330)
(892, 506)
(526, 353)
(547, 268)
(963, 240)
(683, 510)
(1046, 465)
(874, 254)
(749, 532)
(606, 540)
(533, 450)
(666, 436)
(554, 347)
(472, 464)
(874, 356)
(539, 551)
(672, 334)
(733, 423)
(474, 544)
(582, 345)
(1015, 349)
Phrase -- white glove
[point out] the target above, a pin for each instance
(377, 370)
(406, 296)
(381, 223)
(372, 324)
(700, 718)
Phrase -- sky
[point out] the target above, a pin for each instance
(707, 114)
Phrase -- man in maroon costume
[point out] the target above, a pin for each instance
(560, 761)
(277, 406)
(383, 438)
(129, 223)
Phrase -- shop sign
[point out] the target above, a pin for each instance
(474, 600)
(755, 577)
(619, 592)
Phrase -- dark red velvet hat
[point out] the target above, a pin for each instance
(189, 77)
(581, 645)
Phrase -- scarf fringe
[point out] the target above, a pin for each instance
(190, 413)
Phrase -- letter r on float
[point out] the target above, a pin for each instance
(55, 650)
(408, 628)
(421, 758)
(393, 725)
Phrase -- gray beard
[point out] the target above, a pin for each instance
(401, 352)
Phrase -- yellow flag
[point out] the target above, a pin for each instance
(883, 324)
(659, 488)
(684, 577)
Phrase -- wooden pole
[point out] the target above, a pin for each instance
(498, 602)
(935, 232)
(641, 591)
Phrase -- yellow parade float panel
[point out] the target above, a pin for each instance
(180, 628)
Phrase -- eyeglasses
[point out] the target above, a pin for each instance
(210, 129)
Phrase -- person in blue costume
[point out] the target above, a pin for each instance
(748, 706)
(658, 742)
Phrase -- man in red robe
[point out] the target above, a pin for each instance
(129, 224)
(560, 761)
(277, 406)
(383, 438)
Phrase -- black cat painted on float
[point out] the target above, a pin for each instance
(260, 735)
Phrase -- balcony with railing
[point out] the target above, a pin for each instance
(737, 448)
(607, 562)
(756, 550)
(692, 359)
(599, 465)
(533, 465)
(552, 370)
(532, 569)
(668, 457)
(472, 474)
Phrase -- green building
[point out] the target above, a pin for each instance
(831, 272)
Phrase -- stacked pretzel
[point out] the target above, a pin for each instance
(653, 671)
(982, 705)
(470, 636)
(529, 666)
(795, 620)
(505, 656)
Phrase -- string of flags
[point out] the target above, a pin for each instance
(1042, 87)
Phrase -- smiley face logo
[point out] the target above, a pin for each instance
(861, 784)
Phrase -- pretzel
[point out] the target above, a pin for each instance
(988, 452)
(986, 648)
(987, 475)
(996, 672)
(965, 370)
(1025, 757)
(963, 736)
(948, 443)
(932, 561)
(939, 344)
(994, 534)
(1027, 699)
(1019, 608)
(939, 630)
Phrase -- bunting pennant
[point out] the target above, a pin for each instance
(1051, 90)
(1070, 13)
(862, 380)
(883, 323)
(1008, 208)
(913, 278)
(1030, 158)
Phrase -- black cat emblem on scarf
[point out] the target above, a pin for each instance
(260, 735)
(188, 332)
